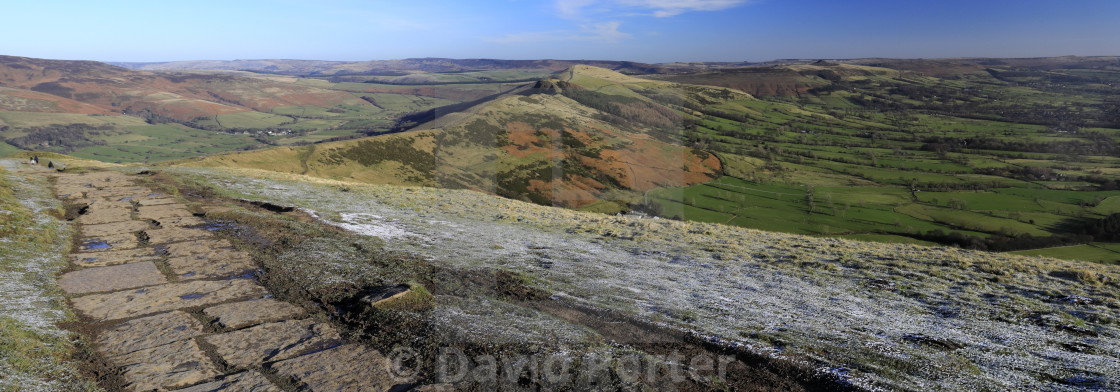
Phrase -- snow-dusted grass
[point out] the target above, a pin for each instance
(892, 315)
(33, 246)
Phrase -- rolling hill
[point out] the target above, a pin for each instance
(984, 159)
(397, 67)
(101, 88)
(590, 136)
(99, 111)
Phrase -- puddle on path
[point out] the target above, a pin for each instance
(95, 245)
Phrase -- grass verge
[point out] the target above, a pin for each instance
(35, 353)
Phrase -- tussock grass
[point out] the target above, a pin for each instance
(35, 353)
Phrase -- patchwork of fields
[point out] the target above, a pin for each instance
(969, 159)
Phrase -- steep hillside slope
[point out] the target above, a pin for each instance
(586, 136)
(113, 114)
(993, 154)
(177, 96)
(779, 80)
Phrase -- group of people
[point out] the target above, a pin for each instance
(34, 160)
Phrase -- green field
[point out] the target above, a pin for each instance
(1096, 252)
(6, 149)
(914, 158)
(245, 120)
(123, 138)
(18, 120)
(153, 143)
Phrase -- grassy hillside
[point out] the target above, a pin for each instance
(545, 148)
(897, 317)
(114, 114)
(986, 157)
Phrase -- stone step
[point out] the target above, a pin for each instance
(110, 242)
(171, 296)
(238, 315)
(105, 229)
(103, 203)
(351, 367)
(148, 332)
(196, 247)
(113, 257)
(175, 234)
(165, 367)
(156, 201)
(216, 263)
(95, 216)
(179, 221)
(163, 211)
(273, 342)
(247, 381)
(112, 278)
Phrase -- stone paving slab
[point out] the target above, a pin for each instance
(273, 341)
(247, 381)
(243, 314)
(169, 366)
(215, 264)
(196, 247)
(172, 296)
(117, 277)
(102, 203)
(105, 215)
(148, 332)
(93, 178)
(97, 177)
(110, 242)
(125, 227)
(80, 200)
(216, 209)
(180, 221)
(175, 234)
(117, 193)
(71, 192)
(163, 211)
(352, 367)
(156, 201)
(113, 257)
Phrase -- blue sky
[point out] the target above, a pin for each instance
(638, 30)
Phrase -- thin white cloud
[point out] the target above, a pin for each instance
(604, 32)
(588, 11)
(656, 8)
(572, 8)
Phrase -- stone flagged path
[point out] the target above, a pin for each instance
(117, 277)
(177, 309)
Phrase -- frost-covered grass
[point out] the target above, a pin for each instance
(892, 315)
(34, 351)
